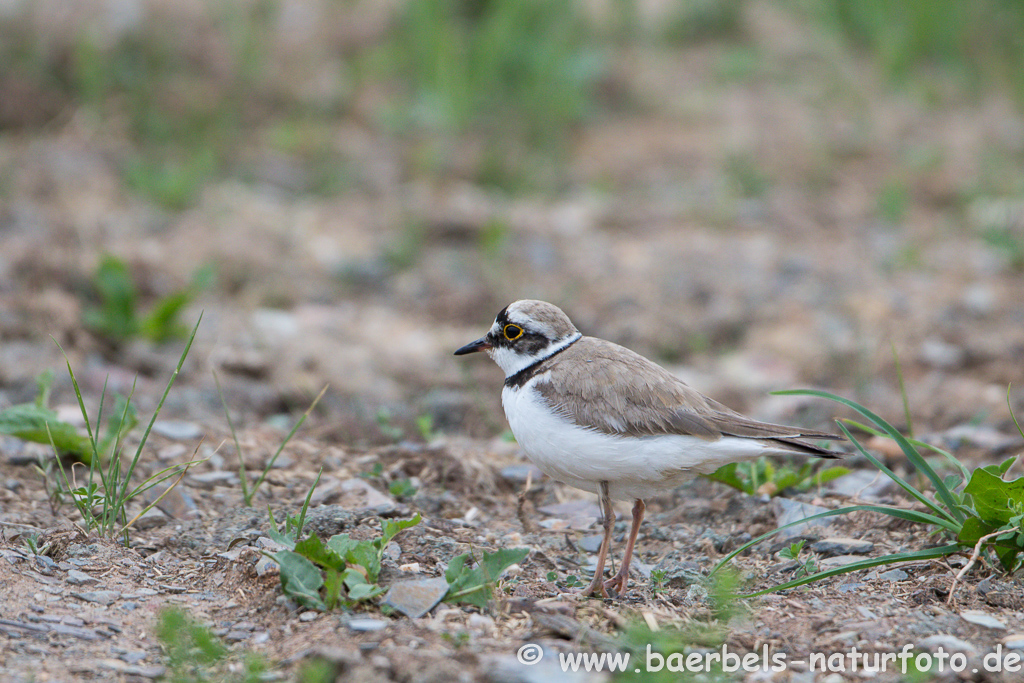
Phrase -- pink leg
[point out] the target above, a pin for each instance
(619, 581)
(597, 585)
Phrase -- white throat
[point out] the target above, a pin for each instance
(512, 362)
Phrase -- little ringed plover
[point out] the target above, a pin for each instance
(599, 417)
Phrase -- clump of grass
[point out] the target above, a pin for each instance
(103, 498)
(977, 512)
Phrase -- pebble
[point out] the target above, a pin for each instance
(358, 494)
(787, 511)
(842, 546)
(208, 480)
(365, 625)
(308, 616)
(79, 578)
(838, 561)
(893, 575)
(1014, 641)
(518, 474)
(591, 544)
(99, 597)
(864, 484)
(179, 430)
(948, 643)
(982, 619)
(151, 519)
(417, 597)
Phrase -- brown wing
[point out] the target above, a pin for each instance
(616, 391)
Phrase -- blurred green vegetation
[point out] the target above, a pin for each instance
(981, 41)
(488, 90)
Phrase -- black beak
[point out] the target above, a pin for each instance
(479, 345)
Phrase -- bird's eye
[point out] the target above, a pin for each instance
(512, 332)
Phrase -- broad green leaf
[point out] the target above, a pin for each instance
(495, 564)
(726, 474)
(300, 579)
(994, 498)
(1000, 469)
(28, 422)
(972, 531)
(391, 527)
(830, 474)
(332, 587)
(363, 553)
(1008, 558)
(315, 551)
(474, 586)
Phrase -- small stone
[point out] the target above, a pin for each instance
(366, 625)
(837, 545)
(176, 504)
(941, 354)
(948, 643)
(172, 452)
(208, 480)
(308, 616)
(264, 565)
(179, 430)
(850, 587)
(838, 561)
(13, 485)
(99, 597)
(591, 544)
(151, 519)
(417, 597)
(358, 494)
(864, 485)
(893, 575)
(984, 619)
(1014, 641)
(788, 511)
(393, 551)
(236, 636)
(481, 623)
(518, 474)
(79, 578)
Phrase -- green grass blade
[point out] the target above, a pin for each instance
(246, 494)
(123, 491)
(937, 509)
(1010, 406)
(270, 463)
(903, 392)
(895, 558)
(943, 493)
(899, 513)
(950, 458)
(305, 505)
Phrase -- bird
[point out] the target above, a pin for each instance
(599, 417)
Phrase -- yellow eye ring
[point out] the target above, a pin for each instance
(512, 332)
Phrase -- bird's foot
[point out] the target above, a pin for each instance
(617, 584)
(596, 589)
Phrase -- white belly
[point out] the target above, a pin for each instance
(634, 467)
